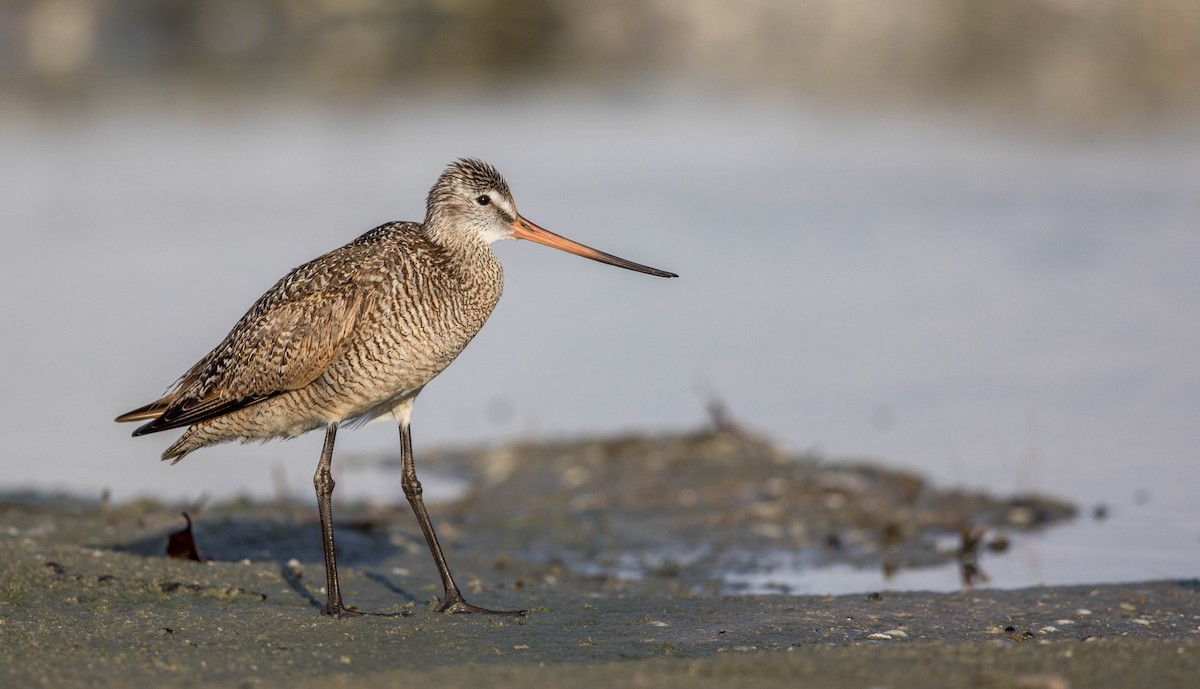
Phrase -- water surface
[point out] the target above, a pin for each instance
(994, 311)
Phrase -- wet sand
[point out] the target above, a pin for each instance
(90, 599)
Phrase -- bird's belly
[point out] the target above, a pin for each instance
(378, 372)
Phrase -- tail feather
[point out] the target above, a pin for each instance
(180, 448)
(150, 411)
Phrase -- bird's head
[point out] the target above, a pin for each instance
(472, 200)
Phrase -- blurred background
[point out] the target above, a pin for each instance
(958, 236)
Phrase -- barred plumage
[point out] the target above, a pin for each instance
(356, 334)
(342, 338)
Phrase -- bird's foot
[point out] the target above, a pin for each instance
(341, 611)
(453, 604)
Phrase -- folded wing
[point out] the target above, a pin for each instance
(287, 340)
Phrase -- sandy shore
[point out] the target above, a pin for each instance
(90, 599)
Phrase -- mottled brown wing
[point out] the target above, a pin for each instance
(286, 341)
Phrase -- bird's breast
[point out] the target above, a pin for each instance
(419, 322)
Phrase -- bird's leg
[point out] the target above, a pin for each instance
(323, 482)
(452, 601)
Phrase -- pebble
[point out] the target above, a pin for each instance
(1048, 629)
(294, 568)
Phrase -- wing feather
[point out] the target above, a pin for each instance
(287, 340)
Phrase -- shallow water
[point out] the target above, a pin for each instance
(993, 311)
(1129, 545)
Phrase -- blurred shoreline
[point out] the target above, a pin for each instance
(1058, 63)
(716, 509)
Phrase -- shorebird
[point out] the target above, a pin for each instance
(354, 336)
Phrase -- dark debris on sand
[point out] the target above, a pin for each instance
(699, 504)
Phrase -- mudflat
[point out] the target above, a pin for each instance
(88, 596)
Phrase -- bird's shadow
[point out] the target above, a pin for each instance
(360, 543)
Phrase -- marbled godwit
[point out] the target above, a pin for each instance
(355, 335)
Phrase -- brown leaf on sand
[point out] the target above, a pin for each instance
(181, 544)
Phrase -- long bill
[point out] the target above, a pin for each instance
(523, 229)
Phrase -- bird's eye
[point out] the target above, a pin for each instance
(483, 200)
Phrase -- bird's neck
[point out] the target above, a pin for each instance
(471, 256)
(454, 239)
